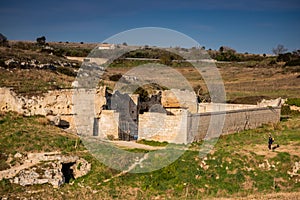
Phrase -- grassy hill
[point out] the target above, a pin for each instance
(259, 78)
(239, 165)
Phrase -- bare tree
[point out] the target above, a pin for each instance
(280, 49)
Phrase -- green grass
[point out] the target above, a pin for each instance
(228, 174)
(293, 102)
(33, 134)
(152, 143)
(34, 81)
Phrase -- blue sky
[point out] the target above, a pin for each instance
(254, 26)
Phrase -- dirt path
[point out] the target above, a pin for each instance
(138, 162)
(134, 145)
(292, 149)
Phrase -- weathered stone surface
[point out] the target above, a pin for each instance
(81, 168)
(175, 98)
(18, 155)
(40, 168)
(48, 173)
(163, 127)
(57, 105)
(108, 124)
(272, 102)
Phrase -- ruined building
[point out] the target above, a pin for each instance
(173, 115)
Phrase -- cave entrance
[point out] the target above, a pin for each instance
(67, 171)
(64, 124)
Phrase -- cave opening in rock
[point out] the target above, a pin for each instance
(68, 171)
(64, 124)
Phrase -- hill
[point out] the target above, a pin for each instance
(239, 165)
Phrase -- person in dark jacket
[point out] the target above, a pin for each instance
(271, 140)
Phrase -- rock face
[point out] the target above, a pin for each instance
(176, 98)
(49, 173)
(57, 106)
(80, 168)
(55, 173)
(41, 168)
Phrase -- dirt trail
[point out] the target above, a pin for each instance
(138, 162)
(134, 145)
(292, 149)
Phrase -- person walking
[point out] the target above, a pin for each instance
(271, 140)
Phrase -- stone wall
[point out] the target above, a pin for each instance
(187, 127)
(217, 107)
(163, 127)
(108, 124)
(235, 120)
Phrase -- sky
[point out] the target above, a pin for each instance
(254, 26)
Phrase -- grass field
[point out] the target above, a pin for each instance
(237, 166)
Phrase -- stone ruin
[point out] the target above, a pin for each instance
(173, 116)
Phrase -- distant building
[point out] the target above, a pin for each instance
(106, 46)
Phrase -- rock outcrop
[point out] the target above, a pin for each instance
(57, 105)
(41, 168)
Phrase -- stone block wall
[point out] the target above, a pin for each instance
(109, 124)
(235, 120)
(217, 107)
(162, 127)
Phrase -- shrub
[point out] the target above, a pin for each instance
(41, 40)
(66, 71)
(284, 57)
(272, 62)
(227, 56)
(59, 52)
(110, 137)
(293, 102)
(295, 62)
(286, 110)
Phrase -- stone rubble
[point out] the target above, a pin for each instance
(294, 172)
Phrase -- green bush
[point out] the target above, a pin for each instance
(293, 102)
(227, 56)
(295, 62)
(153, 143)
(286, 110)
(66, 71)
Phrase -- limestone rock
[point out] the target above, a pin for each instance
(18, 155)
(81, 168)
(41, 168)
(50, 173)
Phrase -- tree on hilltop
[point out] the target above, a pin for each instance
(280, 49)
(41, 40)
